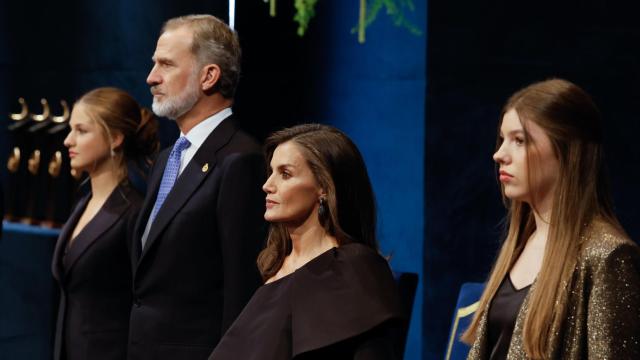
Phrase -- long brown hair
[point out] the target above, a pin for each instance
(340, 171)
(572, 122)
(114, 110)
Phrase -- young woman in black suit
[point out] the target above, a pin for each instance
(109, 133)
(328, 294)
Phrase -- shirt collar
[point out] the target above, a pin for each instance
(199, 133)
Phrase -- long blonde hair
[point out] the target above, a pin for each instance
(572, 122)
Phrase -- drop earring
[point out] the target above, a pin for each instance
(322, 208)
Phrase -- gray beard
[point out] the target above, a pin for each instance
(176, 106)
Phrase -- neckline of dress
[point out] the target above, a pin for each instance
(514, 287)
(301, 267)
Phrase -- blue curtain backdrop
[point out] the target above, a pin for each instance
(376, 93)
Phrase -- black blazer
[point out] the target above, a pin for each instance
(198, 267)
(94, 275)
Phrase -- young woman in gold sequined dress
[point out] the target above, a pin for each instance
(566, 283)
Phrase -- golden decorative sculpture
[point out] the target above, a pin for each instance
(45, 111)
(55, 164)
(76, 174)
(65, 113)
(13, 164)
(24, 112)
(34, 162)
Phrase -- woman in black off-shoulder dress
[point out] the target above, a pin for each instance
(328, 294)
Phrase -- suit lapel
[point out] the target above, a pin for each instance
(147, 206)
(188, 182)
(113, 208)
(64, 236)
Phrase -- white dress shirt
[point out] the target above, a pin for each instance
(199, 134)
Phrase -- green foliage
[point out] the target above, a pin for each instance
(396, 9)
(305, 10)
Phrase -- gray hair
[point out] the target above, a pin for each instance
(213, 43)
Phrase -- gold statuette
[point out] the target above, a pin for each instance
(45, 111)
(14, 160)
(55, 164)
(34, 162)
(23, 112)
(65, 113)
(76, 174)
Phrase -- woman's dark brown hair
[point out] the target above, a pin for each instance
(340, 171)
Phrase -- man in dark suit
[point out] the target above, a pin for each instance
(201, 225)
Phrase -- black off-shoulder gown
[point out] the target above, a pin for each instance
(343, 304)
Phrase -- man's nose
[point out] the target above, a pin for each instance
(153, 78)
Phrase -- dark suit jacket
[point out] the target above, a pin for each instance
(198, 267)
(94, 274)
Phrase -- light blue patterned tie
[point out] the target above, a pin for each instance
(170, 175)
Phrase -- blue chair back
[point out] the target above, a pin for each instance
(465, 307)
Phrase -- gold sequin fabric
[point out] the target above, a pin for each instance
(603, 312)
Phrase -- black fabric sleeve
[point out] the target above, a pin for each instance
(379, 344)
(342, 297)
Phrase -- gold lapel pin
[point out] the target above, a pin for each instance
(205, 168)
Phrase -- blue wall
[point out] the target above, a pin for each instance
(375, 92)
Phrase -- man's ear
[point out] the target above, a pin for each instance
(210, 77)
